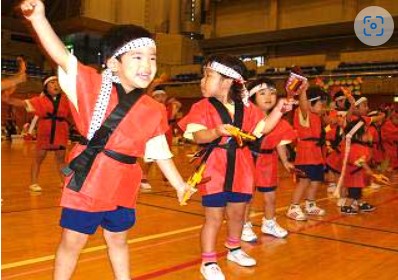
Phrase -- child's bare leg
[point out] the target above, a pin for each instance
(67, 254)
(118, 252)
(213, 219)
(299, 190)
(235, 214)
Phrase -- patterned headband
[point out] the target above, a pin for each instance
(360, 100)
(225, 70)
(259, 87)
(231, 73)
(135, 44)
(106, 85)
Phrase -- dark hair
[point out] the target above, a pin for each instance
(235, 92)
(338, 94)
(314, 92)
(159, 87)
(119, 35)
(259, 81)
(357, 137)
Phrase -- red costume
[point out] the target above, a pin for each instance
(355, 176)
(334, 159)
(205, 114)
(308, 150)
(52, 128)
(266, 173)
(389, 135)
(111, 183)
(377, 152)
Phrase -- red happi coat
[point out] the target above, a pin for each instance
(204, 113)
(111, 183)
(266, 173)
(43, 108)
(355, 176)
(334, 159)
(308, 152)
(389, 135)
(377, 153)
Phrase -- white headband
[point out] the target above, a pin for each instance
(340, 98)
(225, 70)
(314, 98)
(106, 85)
(360, 100)
(259, 87)
(135, 44)
(158, 92)
(231, 73)
(373, 113)
(49, 79)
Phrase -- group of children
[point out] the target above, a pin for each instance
(121, 124)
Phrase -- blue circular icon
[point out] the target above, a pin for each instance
(374, 26)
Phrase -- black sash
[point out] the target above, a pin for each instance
(232, 145)
(53, 116)
(81, 165)
(255, 148)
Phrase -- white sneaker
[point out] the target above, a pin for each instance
(248, 234)
(212, 272)
(241, 258)
(340, 202)
(273, 228)
(145, 186)
(312, 209)
(294, 212)
(35, 188)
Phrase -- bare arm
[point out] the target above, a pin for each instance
(270, 121)
(20, 77)
(33, 10)
(281, 149)
(6, 97)
(303, 101)
(170, 171)
(209, 135)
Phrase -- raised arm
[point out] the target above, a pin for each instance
(33, 10)
(20, 77)
(6, 98)
(303, 101)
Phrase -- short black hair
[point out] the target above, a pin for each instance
(235, 64)
(119, 35)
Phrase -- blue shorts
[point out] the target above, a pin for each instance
(313, 172)
(221, 199)
(266, 189)
(118, 220)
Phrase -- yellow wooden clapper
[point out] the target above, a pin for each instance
(193, 181)
(240, 136)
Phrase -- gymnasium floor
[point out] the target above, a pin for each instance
(165, 241)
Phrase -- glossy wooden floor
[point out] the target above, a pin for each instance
(165, 241)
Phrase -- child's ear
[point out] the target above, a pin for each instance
(112, 63)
